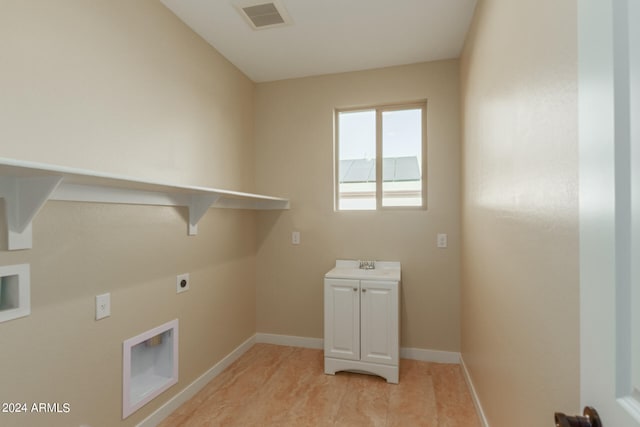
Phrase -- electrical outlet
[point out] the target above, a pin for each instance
(442, 240)
(182, 283)
(103, 306)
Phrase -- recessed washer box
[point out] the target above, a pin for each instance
(150, 366)
(15, 299)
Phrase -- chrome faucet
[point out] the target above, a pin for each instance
(367, 265)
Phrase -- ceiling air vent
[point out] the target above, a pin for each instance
(264, 15)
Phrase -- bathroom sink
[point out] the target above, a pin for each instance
(349, 269)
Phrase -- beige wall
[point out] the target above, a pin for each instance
(520, 309)
(122, 87)
(294, 152)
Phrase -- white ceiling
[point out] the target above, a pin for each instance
(331, 36)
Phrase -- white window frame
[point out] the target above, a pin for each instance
(379, 109)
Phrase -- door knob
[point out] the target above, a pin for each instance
(590, 418)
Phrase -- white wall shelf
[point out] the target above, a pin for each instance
(26, 187)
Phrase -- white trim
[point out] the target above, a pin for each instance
(290, 340)
(435, 356)
(160, 414)
(630, 404)
(474, 395)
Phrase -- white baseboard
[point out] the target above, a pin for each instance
(474, 395)
(290, 340)
(189, 391)
(435, 356)
(318, 343)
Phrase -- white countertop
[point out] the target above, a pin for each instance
(349, 269)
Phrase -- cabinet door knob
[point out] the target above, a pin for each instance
(364, 290)
(355, 289)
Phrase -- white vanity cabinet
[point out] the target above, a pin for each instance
(361, 320)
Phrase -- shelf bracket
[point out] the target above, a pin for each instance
(23, 199)
(198, 206)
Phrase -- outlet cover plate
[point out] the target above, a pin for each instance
(182, 283)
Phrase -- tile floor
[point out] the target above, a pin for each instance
(285, 386)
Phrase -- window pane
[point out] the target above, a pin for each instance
(402, 158)
(357, 161)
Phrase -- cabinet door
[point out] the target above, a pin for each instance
(379, 323)
(342, 318)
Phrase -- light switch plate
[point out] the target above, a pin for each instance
(295, 237)
(103, 306)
